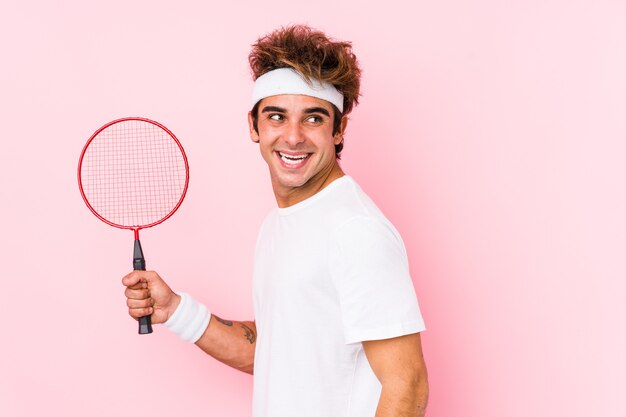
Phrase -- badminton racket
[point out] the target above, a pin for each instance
(133, 174)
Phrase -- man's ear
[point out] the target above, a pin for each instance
(254, 136)
(342, 130)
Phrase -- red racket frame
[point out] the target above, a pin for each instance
(135, 229)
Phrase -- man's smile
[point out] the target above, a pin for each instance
(293, 160)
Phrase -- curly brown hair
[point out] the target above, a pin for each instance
(315, 56)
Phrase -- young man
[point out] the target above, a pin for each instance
(337, 321)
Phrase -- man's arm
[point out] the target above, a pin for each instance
(230, 342)
(399, 365)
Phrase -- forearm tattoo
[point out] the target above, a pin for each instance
(224, 322)
(250, 335)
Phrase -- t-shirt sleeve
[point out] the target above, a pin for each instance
(369, 268)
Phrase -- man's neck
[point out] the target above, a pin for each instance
(288, 197)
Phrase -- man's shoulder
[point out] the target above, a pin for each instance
(351, 204)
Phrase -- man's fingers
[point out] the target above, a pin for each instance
(139, 285)
(137, 294)
(132, 304)
(131, 279)
(140, 312)
(138, 278)
(134, 279)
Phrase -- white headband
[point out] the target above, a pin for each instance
(289, 81)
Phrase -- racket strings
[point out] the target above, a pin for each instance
(133, 173)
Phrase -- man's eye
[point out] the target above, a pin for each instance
(314, 119)
(276, 117)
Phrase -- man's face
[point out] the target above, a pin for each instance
(295, 134)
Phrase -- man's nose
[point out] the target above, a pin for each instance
(294, 134)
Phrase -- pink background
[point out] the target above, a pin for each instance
(491, 133)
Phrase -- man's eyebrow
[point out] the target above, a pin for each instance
(273, 108)
(317, 110)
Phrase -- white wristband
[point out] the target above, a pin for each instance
(190, 319)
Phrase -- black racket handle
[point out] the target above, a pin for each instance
(139, 264)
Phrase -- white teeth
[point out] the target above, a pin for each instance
(292, 159)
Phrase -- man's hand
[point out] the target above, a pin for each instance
(399, 366)
(148, 295)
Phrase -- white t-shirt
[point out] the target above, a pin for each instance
(330, 272)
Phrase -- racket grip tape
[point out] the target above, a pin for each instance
(139, 264)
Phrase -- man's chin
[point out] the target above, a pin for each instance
(293, 180)
(292, 183)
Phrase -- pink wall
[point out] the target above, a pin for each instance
(491, 133)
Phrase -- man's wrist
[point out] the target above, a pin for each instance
(173, 305)
(190, 318)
